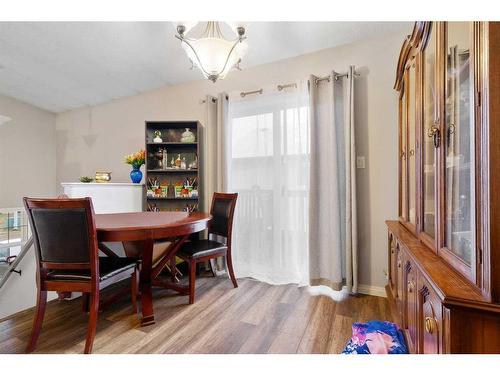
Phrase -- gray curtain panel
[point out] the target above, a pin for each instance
(214, 147)
(351, 230)
(222, 121)
(332, 201)
(214, 154)
(209, 153)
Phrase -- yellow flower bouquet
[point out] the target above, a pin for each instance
(137, 159)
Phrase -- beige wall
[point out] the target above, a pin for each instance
(27, 168)
(27, 153)
(96, 138)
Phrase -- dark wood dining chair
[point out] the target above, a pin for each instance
(67, 258)
(196, 251)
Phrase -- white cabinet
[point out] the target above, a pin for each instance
(108, 197)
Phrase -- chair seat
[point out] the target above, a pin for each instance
(108, 267)
(200, 248)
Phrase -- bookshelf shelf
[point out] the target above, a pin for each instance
(172, 170)
(171, 143)
(172, 198)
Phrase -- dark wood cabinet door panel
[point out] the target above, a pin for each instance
(400, 287)
(430, 323)
(393, 249)
(410, 305)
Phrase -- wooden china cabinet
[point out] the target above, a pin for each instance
(444, 251)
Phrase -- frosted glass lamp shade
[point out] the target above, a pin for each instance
(214, 55)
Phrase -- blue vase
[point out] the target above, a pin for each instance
(136, 174)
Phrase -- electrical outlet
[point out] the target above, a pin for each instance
(360, 162)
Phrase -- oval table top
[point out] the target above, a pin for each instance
(135, 226)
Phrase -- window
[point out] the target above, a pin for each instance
(14, 232)
(268, 165)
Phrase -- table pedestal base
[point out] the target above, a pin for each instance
(182, 289)
(149, 274)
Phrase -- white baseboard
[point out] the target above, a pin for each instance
(362, 289)
(372, 290)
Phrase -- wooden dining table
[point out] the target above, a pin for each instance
(143, 229)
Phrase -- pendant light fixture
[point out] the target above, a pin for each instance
(213, 54)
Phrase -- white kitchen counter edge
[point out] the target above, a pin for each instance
(100, 184)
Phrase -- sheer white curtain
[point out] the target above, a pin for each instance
(290, 155)
(267, 156)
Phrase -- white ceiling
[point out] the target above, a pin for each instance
(59, 66)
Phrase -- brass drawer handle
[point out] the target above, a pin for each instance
(433, 132)
(430, 324)
(412, 152)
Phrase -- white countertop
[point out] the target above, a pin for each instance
(101, 184)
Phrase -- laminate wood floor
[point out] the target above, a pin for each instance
(254, 318)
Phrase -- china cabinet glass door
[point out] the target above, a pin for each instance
(412, 193)
(403, 183)
(429, 136)
(459, 146)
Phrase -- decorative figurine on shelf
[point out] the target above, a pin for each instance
(178, 190)
(178, 161)
(171, 190)
(188, 136)
(102, 177)
(164, 160)
(159, 159)
(194, 163)
(136, 161)
(86, 179)
(157, 138)
(183, 163)
(172, 163)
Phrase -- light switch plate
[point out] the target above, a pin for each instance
(360, 162)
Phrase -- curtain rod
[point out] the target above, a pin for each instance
(243, 94)
(260, 91)
(213, 100)
(336, 76)
(282, 87)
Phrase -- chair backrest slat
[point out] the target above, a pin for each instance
(64, 232)
(222, 211)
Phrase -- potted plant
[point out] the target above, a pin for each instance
(136, 160)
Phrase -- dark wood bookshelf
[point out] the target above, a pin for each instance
(168, 177)
(173, 170)
(172, 143)
(174, 199)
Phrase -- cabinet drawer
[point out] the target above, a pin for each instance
(430, 318)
